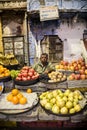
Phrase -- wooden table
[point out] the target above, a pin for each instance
(37, 113)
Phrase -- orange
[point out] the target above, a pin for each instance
(0, 88)
(15, 100)
(23, 100)
(29, 90)
(15, 91)
(9, 97)
(19, 95)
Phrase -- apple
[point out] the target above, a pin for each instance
(19, 75)
(82, 63)
(77, 107)
(31, 70)
(80, 97)
(24, 78)
(28, 78)
(55, 109)
(86, 71)
(72, 68)
(70, 99)
(18, 78)
(70, 77)
(60, 103)
(83, 77)
(55, 93)
(77, 76)
(69, 104)
(86, 66)
(83, 68)
(64, 110)
(24, 74)
(72, 110)
(48, 106)
(65, 98)
(30, 74)
(49, 96)
(76, 68)
(81, 71)
(43, 102)
(53, 100)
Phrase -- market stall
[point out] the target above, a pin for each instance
(36, 112)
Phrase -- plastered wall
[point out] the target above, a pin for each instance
(70, 34)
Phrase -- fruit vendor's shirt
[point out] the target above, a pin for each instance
(39, 68)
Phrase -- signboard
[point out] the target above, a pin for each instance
(48, 13)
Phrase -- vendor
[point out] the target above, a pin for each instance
(43, 66)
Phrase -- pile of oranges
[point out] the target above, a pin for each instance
(0, 88)
(4, 71)
(16, 97)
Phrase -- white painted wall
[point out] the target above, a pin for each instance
(72, 32)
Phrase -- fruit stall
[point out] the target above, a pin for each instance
(59, 96)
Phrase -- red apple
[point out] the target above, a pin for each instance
(82, 71)
(30, 74)
(31, 70)
(24, 74)
(86, 66)
(28, 78)
(24, 78)
(86, 71)
(18, 78)
(83, 76)
(77, 76)
(70, 77)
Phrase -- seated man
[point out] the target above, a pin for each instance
(43, 66)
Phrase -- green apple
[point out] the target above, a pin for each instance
(53, 100)
(55, 93)
(80, 97)
(69, 104)
(43, 102)
(74, 103)
(70, 99)
(60, 103)
(65, 98)
(48, 106)
(76, 92)
(61, 95)
(77, 107)
(67, 91)
(71, 94)
(72, 110)
(76, 100)
(55, 109)
(59, 91)
(58, 97)
(49, 96)
(64, 110)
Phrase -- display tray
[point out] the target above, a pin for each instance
(63, 115)
(5, 79)
(83, 104)
(45, 79)
(25, 83)
(51, 82)
(9, 108)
